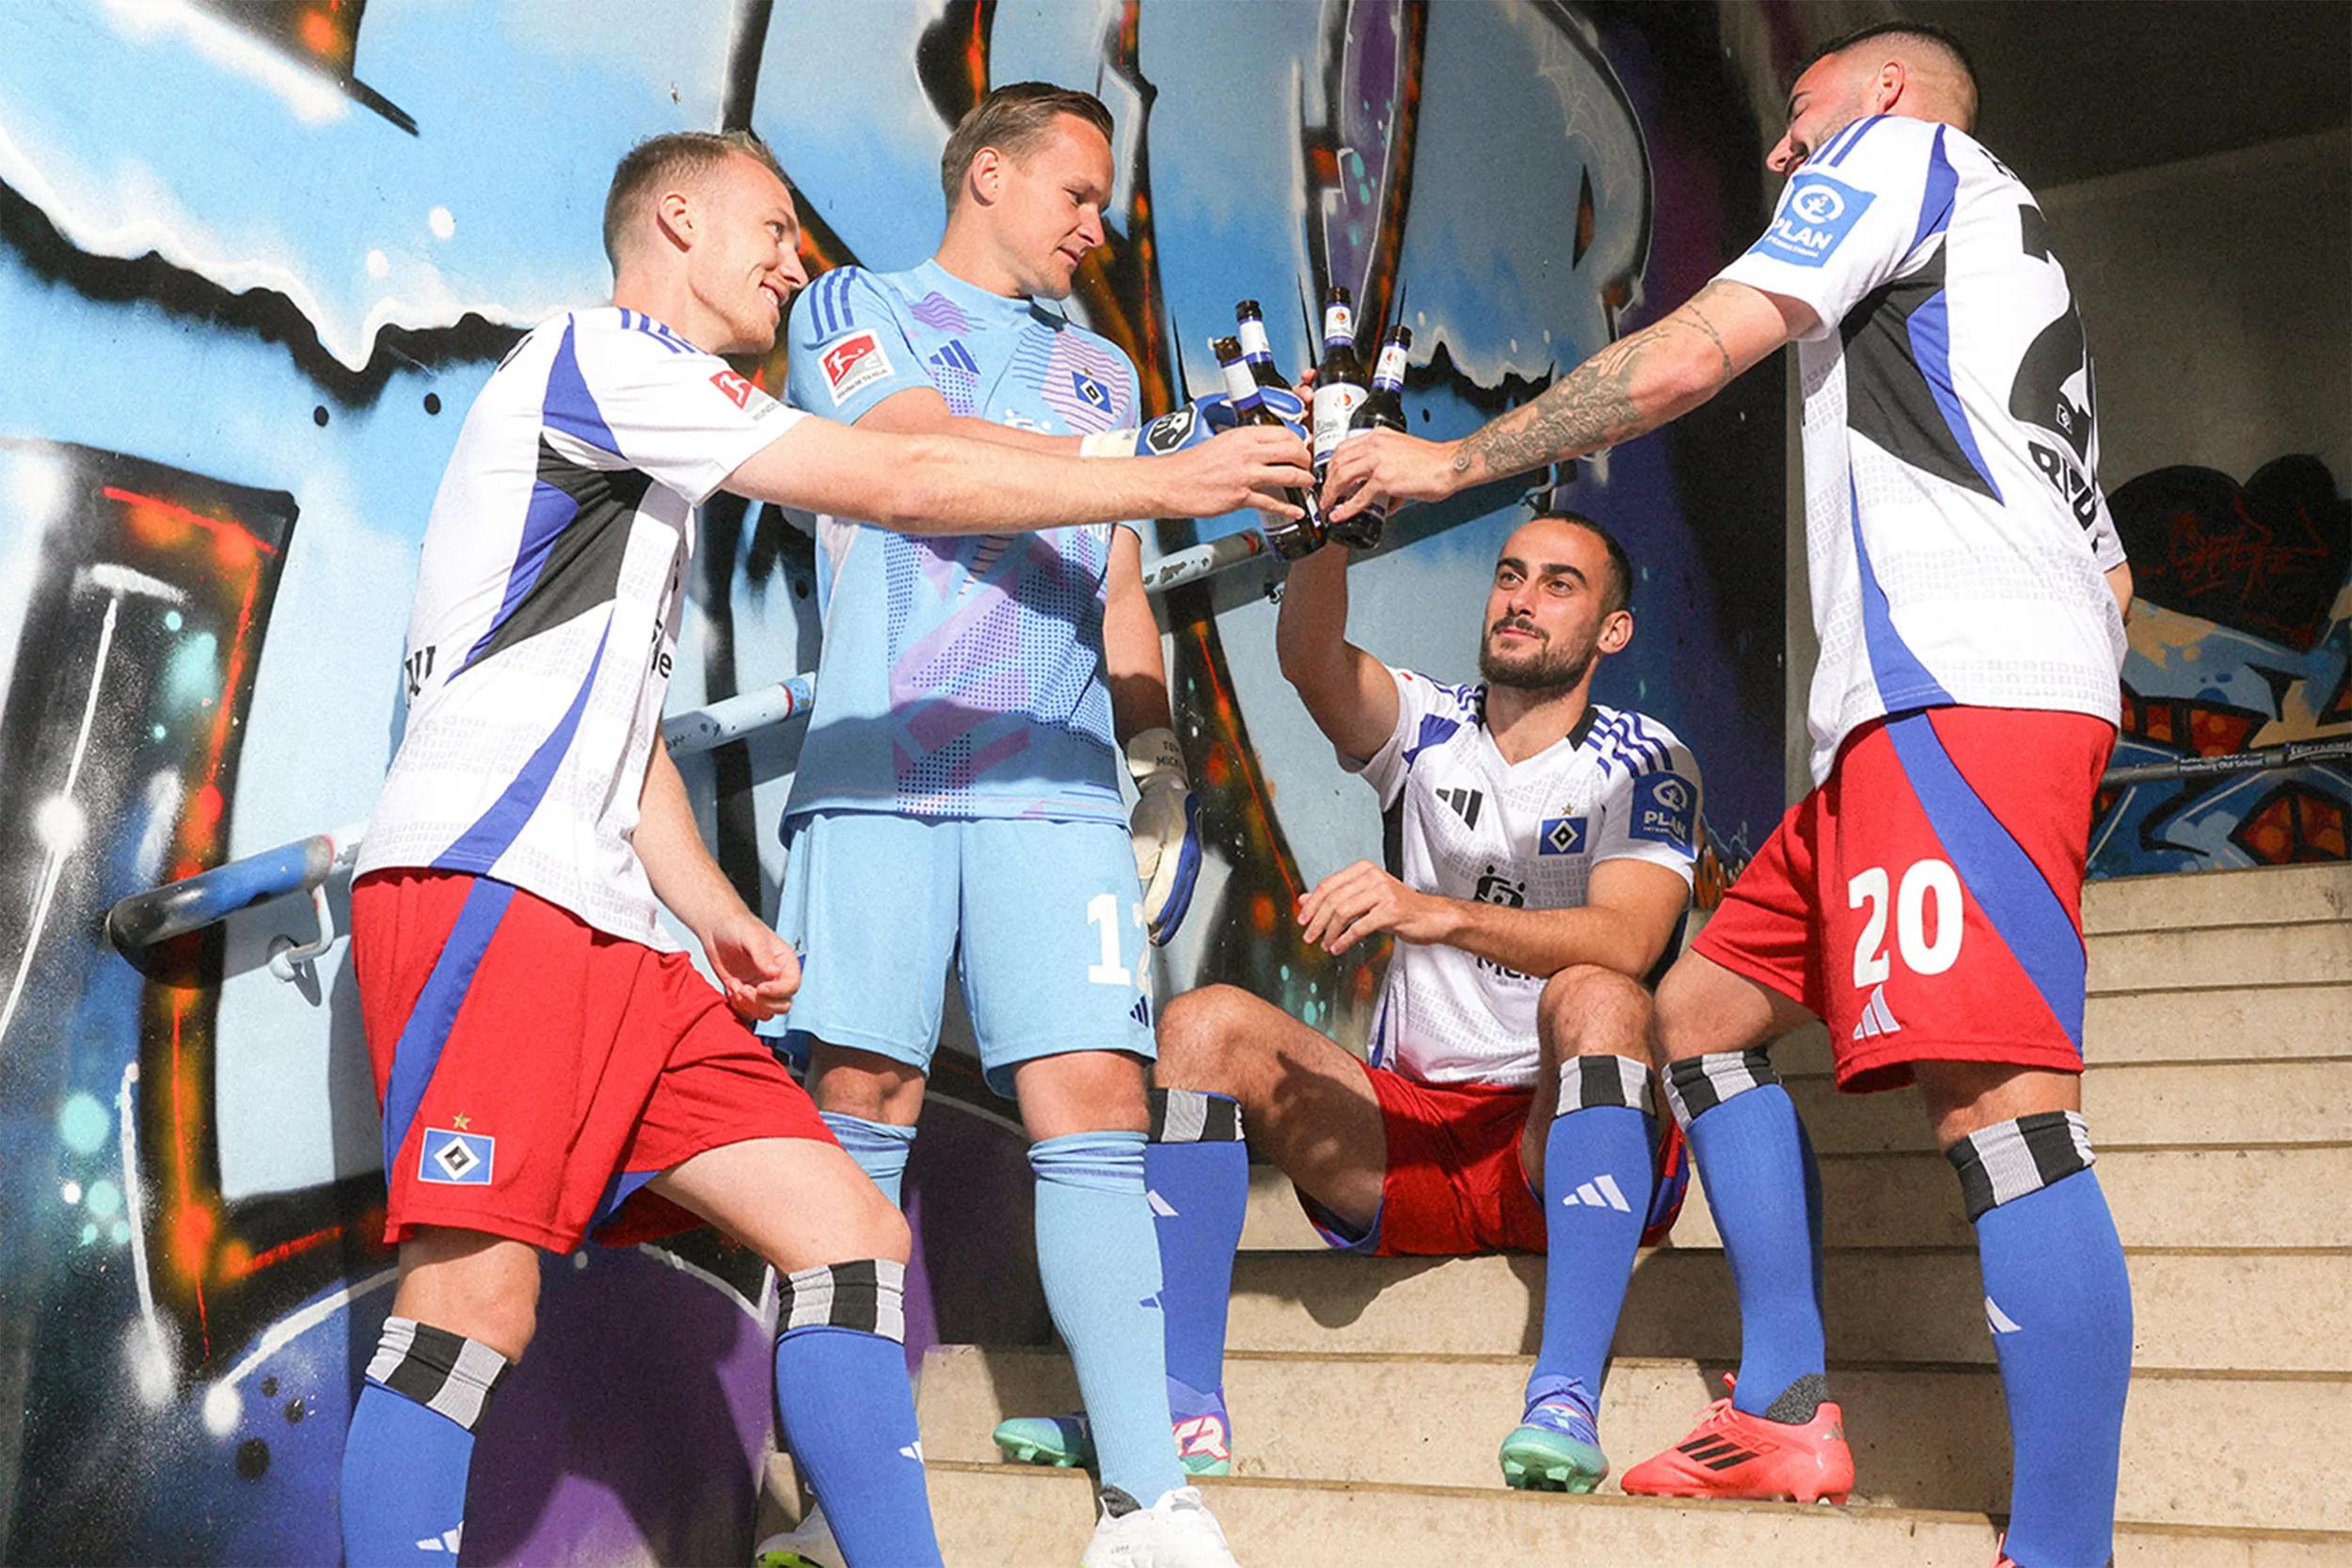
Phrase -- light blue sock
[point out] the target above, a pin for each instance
(1752, 1158)
(1198, 1169)
(411, 1443)
(845, 1411)
(1100, 1263)
(880, 1149)
(2060, 1302)
(1597, 1192)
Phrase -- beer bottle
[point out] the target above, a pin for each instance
(1249, 322)
(1339, 377)
(1292, 537)
(1383, 409)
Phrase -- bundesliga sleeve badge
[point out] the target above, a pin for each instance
(854, 364)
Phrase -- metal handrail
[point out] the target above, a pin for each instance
(192, 903)
(2292, 753)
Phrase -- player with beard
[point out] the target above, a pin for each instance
(1541, 850)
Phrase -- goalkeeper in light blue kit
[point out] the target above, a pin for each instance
(958, 792)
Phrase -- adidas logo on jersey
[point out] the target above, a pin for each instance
(1601, 1192)
(1141, 1011)
(1465, 803)
(1876, 1019)
(1998, 1320)
(445, 1542)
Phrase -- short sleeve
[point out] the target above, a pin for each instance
(847, 349)
(1850, 217)
(635, 395)
(1652, 812)
(1427, 713)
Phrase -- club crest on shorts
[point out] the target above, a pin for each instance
(454, 1159)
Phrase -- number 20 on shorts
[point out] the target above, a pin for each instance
(1924, 882)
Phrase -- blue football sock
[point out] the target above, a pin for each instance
(2060, 1303)
(844, 1409)
(880, 1149)
(1100, 1264)
(1197, 1171)
(410, 1444)
(1597, 1182)
(1753, 1160)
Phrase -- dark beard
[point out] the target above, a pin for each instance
(1559, 670)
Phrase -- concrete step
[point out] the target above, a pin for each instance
(2162, 1197)
(1923, 1438)
(2228, 1023)
(2308, 953)
(2271, 896)
(1018, 1516)
(2129, 1104)
(2211, 1311)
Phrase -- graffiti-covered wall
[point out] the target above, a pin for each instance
(2213, 292)
(255, 261)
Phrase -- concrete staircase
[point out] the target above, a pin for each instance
(1368, 1395)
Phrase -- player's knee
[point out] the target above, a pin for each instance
(1678, 1022)
(879, 1228)
(1199, 1032)
(1589, 1011)
(499, 1310)
(863, 1085)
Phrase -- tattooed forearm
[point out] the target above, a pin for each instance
(1627, 389)
(1590, 407)
(1696, 311)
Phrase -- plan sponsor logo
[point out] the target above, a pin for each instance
(1818, 214)
(1665, 811)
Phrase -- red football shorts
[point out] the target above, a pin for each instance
(534, 1072)
(1455, 1186)
(1926, 902)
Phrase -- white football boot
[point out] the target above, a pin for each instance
(1178, 1531)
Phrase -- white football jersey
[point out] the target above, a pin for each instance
(1463, 823)
(547, 611)
(1956, 532)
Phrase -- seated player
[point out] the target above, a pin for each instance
(549, 1063)
(1547, 847)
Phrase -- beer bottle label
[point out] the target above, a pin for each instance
(1390, 372)
(1339, 321)
(1254, 345)
(1335, 408)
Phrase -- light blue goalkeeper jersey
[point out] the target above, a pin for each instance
(961, 675)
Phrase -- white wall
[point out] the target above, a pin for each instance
(2217, 293)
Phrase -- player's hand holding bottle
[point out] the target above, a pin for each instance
(1252, 468)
